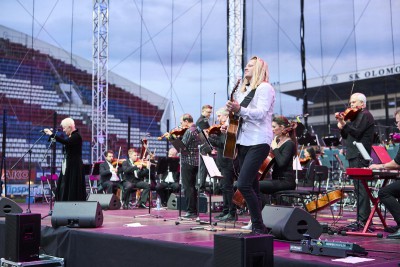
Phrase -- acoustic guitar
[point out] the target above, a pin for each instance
(231, 134)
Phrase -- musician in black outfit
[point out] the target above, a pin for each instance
(134, 174)
(169, 178)
(71, 182)
(109, 174)
(284, 148)
(360, 129)
(310, 156)
(390, 194)
(226, 167)
(203, 123)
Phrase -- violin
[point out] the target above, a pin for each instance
(215, 129)
(305, 160)
(116, 162)
(349, 114)
(177, 132)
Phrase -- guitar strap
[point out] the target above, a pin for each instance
(245, 102)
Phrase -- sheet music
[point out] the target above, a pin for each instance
(362, 150)
(211, 166)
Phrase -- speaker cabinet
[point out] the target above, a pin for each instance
(290, 223)
(243, 250)
(77, 214)
(107, 201)
(8, 206)
(22, 237)
(174, 202)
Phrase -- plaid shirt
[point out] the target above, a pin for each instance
(191, 141)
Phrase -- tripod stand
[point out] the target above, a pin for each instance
(29, 151)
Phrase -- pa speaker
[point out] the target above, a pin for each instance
(290, 223)
(77, 214)
(174, 202)
(107, 201)
(243, 250)
(22, 237)
(8, 206)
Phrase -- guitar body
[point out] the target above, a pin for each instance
(230, 140)
(231, 134)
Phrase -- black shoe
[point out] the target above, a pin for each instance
(391, 229)
(370, 227)
(190, 215)
(228, 217)
(396, 235)
(219, 216)
(259, 231)
(125, 207)
(142, 206)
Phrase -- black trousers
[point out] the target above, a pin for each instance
(189, 173)
(364, 205)
(250, 160)
(389, 196)
(228, 173)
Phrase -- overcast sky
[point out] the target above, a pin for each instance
(179, 49)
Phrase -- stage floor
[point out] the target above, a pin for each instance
(164, 227)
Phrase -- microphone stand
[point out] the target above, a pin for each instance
(52, 141)
(28, 210)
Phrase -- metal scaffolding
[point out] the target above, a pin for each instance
(100, 79)
(235, 41)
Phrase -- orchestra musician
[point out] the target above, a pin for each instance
(169, 180)
(284, 148)
(109, 174)
(203, 123)
(190, 164)
(134, 173)
(390, 194)
(360, 129)
(309, 162)
(255, 134)
(226, 167)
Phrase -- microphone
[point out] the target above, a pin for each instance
(42, 131)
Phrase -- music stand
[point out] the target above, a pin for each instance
(213, 172)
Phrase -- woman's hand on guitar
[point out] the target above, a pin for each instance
(224, 128)
(232, 106)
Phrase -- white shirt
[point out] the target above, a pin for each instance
(257, 117)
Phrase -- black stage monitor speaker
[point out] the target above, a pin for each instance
(107, 201)
(243, 250)
(174, 203)
(22, 237)
(8, 206)
(289, 223)
(77, 214)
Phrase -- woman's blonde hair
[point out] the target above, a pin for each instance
(260, 74)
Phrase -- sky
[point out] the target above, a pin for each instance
(178, 48)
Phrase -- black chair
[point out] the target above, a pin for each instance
(315, 176)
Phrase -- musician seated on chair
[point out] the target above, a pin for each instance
(169, 176)
(284, 148)
(390, 194)
(135, 173)
(310, 160)
(109, 174)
